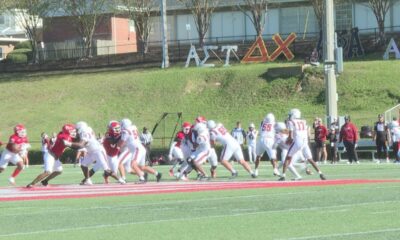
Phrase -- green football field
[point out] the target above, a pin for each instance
(337, 211)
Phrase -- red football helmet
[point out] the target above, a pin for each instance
(201, 119)
(186, 127)
(20, 130)
(69, 129)
(114, 128)
(180, 136)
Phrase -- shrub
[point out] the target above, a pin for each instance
(23, 45)
(22, 55)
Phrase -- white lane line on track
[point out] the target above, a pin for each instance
(348, 234)
(205, 217)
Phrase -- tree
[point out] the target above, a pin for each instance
(319, 10)
(202, 13)
(29, 14)
(380, 9)
(140, 12)
(258, 9)
(87, 15)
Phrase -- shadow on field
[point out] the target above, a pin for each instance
(282, 73)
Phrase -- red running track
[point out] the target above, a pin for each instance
(101, 190)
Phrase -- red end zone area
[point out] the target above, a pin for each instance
(101, 190)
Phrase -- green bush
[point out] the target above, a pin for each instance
(22, 55)
(23, 45)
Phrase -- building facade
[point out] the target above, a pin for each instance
(283, 16)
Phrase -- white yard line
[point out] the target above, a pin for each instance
(348, 234)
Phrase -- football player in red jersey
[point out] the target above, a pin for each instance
(15, 151)
(52, 163)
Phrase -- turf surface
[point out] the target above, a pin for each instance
(361, 211)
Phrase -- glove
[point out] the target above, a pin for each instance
(67, 143)
(170, 157)
(355, 146)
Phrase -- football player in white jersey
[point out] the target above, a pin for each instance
(265, 143)
(231, 148)
(135, 152)
(203, 150)
(281, 143)
(251, 140)
(298, 140)
(95, 153)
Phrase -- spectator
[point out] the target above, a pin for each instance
(251, 139)
(146, 138)
(333, 147)
(238, 133)
(381, 137)
(320, 134)
(348, 135)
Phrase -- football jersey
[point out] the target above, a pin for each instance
(299, 129)
(92, 144)
(58, 148)
(267, 130)
(280, 141)
(221, 135)
(131, 137)
(396, 134)
(110, 146)
(15, 139)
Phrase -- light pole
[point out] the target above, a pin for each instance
(329, 62)
(165, 61)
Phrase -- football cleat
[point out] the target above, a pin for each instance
(322, 176)
(158, 177)
(11, 180)
(282, 179)
(44, 182)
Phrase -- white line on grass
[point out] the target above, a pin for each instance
(343, 234)
(199, 218)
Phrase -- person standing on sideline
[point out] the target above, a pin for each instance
(381, 137)
(320, 134)
(333, 146)
(146, 138)
(394, 138)
(251, 140)
(348, 135)
(238, 133)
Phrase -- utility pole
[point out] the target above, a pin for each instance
(329, 62)
(165, 61)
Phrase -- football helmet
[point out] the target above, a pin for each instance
(180, 136)
(186, 126)
(69, 129)
(211, 124)
(295, 113)
(252, 125)
(280, 126)
(270, 118)
(114, 128)
(126, 123)
(201, 119)
(200, 127)
(20, 130)
(80, 125)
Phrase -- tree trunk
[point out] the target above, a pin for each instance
(382, 37)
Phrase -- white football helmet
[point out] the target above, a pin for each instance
(280, 126)
(80, 125)
(126, 123)
(200, 127)
(211, 124)
(270, 118)
(295, 113)
(252, 125)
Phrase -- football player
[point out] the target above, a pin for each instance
(231, 148)
(298, 140)
(15, 152)
(265, 143)
(135, 152)
(52, 163)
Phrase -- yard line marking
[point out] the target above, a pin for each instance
(343, 234)
(382, 212)
(193, 218)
